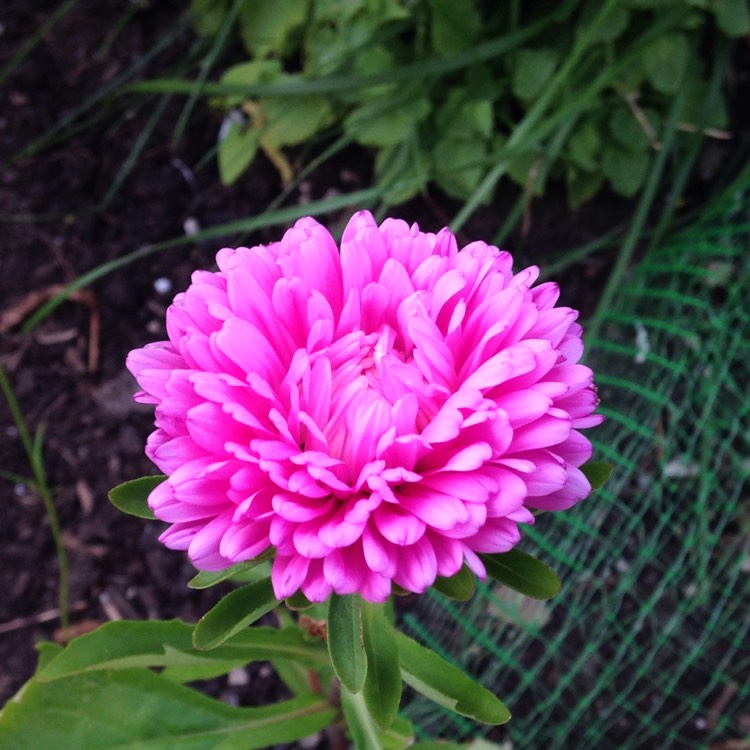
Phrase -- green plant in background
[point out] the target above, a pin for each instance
(460, 92)
(33, 447)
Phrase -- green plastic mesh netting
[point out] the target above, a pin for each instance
(647, 645)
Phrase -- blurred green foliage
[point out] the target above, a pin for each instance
(452, 123)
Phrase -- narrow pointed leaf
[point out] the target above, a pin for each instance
(446, 685)
(233, 613)
(459, 587)
(523, 573)
(207, 670)
(132, 497)
(207, 578)
(47, 652)
(382, 688)
(345, 644)
(293, 675)
(125, 644)
(398, 736)
(298, 601)
(139, 708)
(597, 472)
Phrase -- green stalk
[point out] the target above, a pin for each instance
(33, 449)
(644, 207)
(206, 66)
(686, 167)
(135, 152)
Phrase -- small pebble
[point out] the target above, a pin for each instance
(191, 226)
(238, 677)
(311, 741)
(163, 285)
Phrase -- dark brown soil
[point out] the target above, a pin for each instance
(68, 374)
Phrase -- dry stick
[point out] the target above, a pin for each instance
(48, 615)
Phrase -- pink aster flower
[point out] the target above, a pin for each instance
(379, 414)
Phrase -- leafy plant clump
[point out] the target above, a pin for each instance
(462, 92)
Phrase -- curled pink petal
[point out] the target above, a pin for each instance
(376, 414)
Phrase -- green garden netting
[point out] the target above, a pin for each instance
(648, 644)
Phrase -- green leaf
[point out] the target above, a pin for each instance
(665, 62)
(459, 587)
(47, 652)
(581, 185)
(125, 644)
(207, 578)
(382, 688)
(454, 25)
(398, 736)
(132, 497)
(583, 146)
(272, 26)
(628, 131)
(532, 71)
(699, 107)
(374, 124)
(293, 675)
(292, 120)
(524, 168)
(250, 74)
(446, 685)
(460, 117)
(298, 601)
(597, 472)
(138, 708)
(237, 149)
(611, 26)
(345, 644)
(233, 613)
(460, 166)
(626, 170)
(523, 573)
(402, 170)
(732, 16)
(208, 15)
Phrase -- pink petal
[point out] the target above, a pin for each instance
(204, 546)
(315, 587)
(417, 566)
(245, 541)
(497, 535)
(434, 508)
(287, 575)
(345, 570)
(524, 406)
(380, 555)
(398, 525)
(549, 430)
(576, 488)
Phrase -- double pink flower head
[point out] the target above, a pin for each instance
(377, 414)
